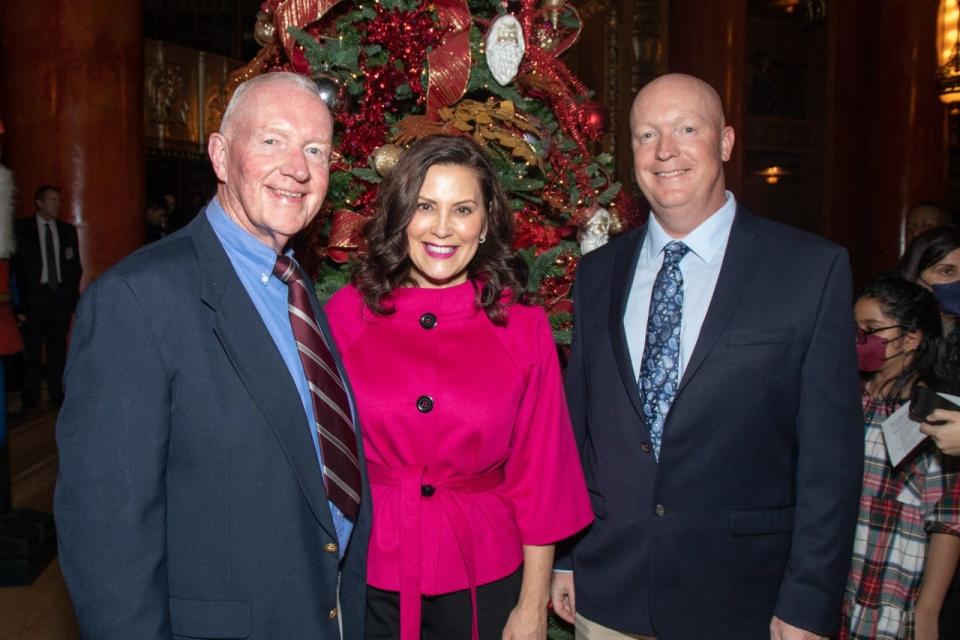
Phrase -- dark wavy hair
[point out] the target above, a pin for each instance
(914, 309)
(494, 270)
(926, 250)
(947, 378)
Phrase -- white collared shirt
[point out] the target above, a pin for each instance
(700, 269)
(42, 227)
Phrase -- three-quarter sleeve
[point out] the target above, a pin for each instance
(544, 479)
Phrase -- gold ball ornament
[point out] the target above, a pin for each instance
(264, 32)
(386, 157)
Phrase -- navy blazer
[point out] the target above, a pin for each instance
(190, 502)
(751, 509)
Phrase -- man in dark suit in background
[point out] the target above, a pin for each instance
(713, 390)
(200, 492)
(47, 268)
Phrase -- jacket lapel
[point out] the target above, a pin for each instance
(624, 266)
(251, 350)
(741, 264)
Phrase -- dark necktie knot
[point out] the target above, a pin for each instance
(286, 269)
(674, 252)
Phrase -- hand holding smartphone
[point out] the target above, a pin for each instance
(923, 402)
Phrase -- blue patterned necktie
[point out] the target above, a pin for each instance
(661, 353)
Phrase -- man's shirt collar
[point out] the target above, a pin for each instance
(705, 241)
(249, 251)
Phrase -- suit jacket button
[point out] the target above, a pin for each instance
(333, 613)
(645, 447)
(659, 510)
(427, 490)
(330, 547)
(428, 321)
(424, 404)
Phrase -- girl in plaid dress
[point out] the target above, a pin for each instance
(908, 534)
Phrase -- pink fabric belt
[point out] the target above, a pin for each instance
(413, 489)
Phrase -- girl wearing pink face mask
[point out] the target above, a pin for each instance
(908, 534)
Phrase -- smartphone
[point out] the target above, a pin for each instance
(923, 401)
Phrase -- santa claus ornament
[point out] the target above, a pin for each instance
(504, 48)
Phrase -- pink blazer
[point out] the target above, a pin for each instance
(467, 437)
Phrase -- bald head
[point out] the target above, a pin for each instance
(680, 143)
(682, 85)
(247, 92)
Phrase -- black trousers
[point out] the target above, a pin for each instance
(447, 616)
(47, 321)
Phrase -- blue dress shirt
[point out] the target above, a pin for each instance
(253, 261)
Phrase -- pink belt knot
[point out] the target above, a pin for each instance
(414, 487)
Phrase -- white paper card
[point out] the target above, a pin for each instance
(901, 434)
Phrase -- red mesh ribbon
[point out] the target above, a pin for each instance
(298, 13)
(289, 13)
(449, 64)
(346, 234)
(547, 74)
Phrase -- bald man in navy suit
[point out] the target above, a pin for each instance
(714, 395)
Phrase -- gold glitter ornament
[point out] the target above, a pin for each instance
(386, 157)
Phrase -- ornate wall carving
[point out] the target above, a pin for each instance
(183, 96)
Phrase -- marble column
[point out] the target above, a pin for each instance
(72, 101)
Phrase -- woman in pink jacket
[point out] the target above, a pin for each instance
(470, 453)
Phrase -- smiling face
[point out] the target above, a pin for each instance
(679, 146)
(444, 233)
(272, 160)
(945, 271)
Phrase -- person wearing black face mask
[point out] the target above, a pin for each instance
(948, 296)
(908, 533)
(933, 261)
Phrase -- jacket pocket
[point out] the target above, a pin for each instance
(597, 502)
(765, 335)
(761, 521)
(210, 618)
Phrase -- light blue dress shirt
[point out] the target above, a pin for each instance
(700, 269)
(253, 261)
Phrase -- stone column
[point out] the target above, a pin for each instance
(72, 101)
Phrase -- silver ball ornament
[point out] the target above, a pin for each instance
(329, 90)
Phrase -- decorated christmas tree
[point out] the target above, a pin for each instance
(393, 71)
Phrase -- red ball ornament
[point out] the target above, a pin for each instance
(594, 118)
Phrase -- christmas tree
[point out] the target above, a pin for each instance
(396, 70)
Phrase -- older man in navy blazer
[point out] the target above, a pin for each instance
(713, 390)
(195, 497)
